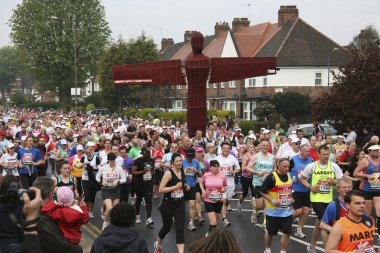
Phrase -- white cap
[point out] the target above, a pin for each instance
(252, 136)
(63, 142)
(164, 127)
(340, 136)
(148, 127)
(374, 147)
(11, 145)
(172, 126)
(90, 144)
(79, 147)
(238, 129)
(23, 138)
(266, 131)
(119, 119)
(295, 139)
(116, 131)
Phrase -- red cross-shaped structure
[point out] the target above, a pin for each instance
(198, 67)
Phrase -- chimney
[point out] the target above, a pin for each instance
(286, 13)
(239, 23)
(221, 27)
(166, 43)
(187, 36)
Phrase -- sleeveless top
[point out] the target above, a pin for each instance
(372, 169)
(245, 173)
(319, 178)
(70, 184)
(176, 195)
(262, 164)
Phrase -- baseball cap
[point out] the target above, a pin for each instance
(374, 147)
(63, 142)
(23, 138)
(11, 145)
(266, 131)
(79, 147)
(252, 136)
(190, 153)
(199, 149)
(295, 139)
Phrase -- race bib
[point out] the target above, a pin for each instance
(369, 250)
(324, 188)
(147, 176)
(157, 163)
(285, 200)
(375, 185)
(190, 173)
(215, 196)
(27, 159)
(177, 194)
(226, 171)
(110, 178)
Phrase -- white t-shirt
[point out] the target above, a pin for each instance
(108, 175)
(310, 168)
(289, 154)
(227, 162)
(283, 148)
(10, 161)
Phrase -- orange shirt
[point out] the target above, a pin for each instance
(356, 235)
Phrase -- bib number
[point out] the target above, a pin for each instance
(285, 200)
(177, 194)
(157, 163)
(375, 185)
(147, 176)
(215, 196)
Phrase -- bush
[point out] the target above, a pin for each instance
(90, 107)
(221, 114)
(143, 113)
(43, 105)
(247, 125)
(132, 111)
(174, 116)
(19, 99)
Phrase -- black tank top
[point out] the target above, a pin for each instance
(176, 195)
(70, 184)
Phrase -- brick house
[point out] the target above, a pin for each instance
(304, 56)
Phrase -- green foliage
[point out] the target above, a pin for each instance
(247, 125)
(143, 113)
(174, 116)
(265, 111)
(372, 37)
(19, 99)
(48, 32)
(43, 105)
(120, 52)
(95, 99)
(132, 111)
(10, 66)
(221, 114)
(291, 104)
(90, 107)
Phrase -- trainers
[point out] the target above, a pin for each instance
(102, 213)
(239, 207)
(254, 217)
(264, 227)
(90, 215)
(105, 224)
(149, 222)
(191, 226)
(310, 250)
(226, 223)
(300, 234)
(201, 220)
(206, 234)
(156, 247)
(229, 208)
(296, 220)
(138, 220)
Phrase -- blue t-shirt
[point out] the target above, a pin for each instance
(299, 166)
(26, 157)
(330, 212)
(190, 177)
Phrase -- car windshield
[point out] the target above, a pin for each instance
(329, 130)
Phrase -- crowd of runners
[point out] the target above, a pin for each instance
(132, 160)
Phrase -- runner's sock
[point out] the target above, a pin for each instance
(282, 251)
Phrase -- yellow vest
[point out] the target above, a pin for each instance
(319, 178)
(282, 191)
(76, 172)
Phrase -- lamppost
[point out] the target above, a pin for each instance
(75, 57)
(328, 65)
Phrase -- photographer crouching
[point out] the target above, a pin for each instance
(23, 228)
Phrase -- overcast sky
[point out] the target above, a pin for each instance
(338, 19)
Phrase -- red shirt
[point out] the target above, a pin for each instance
(314, 154)
(344, 155)
(68, 220)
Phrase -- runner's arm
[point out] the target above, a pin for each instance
(361, 166)
(165, 179)
(333, 240)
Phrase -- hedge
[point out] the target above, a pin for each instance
(247, 125)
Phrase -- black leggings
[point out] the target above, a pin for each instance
(246, 184)
(145, 191)
(168, 211)
(124, 192)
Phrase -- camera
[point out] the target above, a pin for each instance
(13, 193)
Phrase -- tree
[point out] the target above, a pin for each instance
(354, 98)
(265, 111)
(372, 37)
(10, 67)
(137, 50)
(291, 104)
(48, 32)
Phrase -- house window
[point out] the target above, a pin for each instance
(232, 84)
(251, 82)
(265, 81)
(208, 105)
(229, 106)
(177, 104)
(222, 85)
(179, 87)
(318, 78)
(215, 85)
(187, 87)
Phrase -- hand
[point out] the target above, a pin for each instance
(294, 179)
(115, 183)
(330, 181)
(104, 183)
(224, 189)
(178, 185)
(314, 188)
(204, 193)
(276, 203)
(32, 207)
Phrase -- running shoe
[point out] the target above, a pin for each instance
(102, 213)
(105, 224)
(201, 220)
(229, 208)
(206, 234)
(254, 217)
(157, 248)
(138, 220)
(143, 201)
(296, 220)
(90, 215)
(310, 250)
(149, 222)
(264, 227)
(226, 223)
(259, 212)
(300, 234)
(191, 226)
(267, 251)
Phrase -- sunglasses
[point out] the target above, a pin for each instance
(297, 143)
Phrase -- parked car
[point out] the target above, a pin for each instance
(98, 112)
(176, 110)
(326, 129)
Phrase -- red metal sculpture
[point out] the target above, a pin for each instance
(198, 67)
